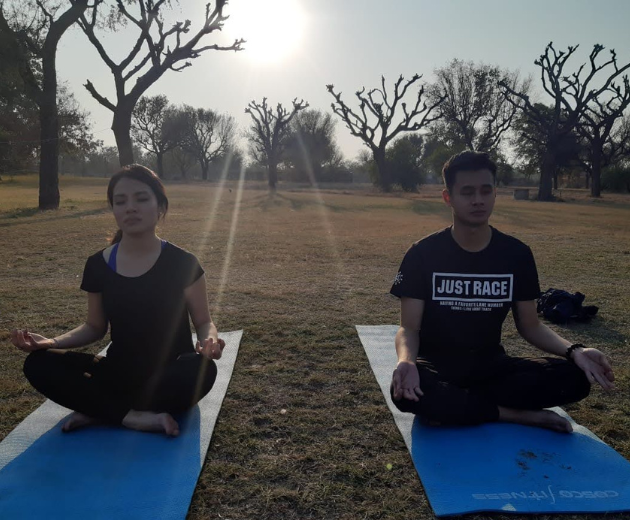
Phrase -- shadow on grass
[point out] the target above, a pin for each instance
(11, 216)
(278, 200)
(517, 217)
(597, 202)
(19, 213)
(595, 331)
(265, 202)
(431, 207)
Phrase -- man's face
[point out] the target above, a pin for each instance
(472, 197)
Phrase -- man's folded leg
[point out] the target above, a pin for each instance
(446, 403)
(534, 383)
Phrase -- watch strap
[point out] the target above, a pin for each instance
(571, 349)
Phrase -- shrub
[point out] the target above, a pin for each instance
(616, 178)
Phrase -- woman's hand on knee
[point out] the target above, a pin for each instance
(29, 341)
(210, 348)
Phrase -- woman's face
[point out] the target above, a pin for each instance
(135, 207)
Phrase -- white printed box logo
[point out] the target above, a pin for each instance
(472, 287)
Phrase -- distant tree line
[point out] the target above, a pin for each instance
(572, 124)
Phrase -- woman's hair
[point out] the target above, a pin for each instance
(142, 174)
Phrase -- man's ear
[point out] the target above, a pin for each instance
(446, 196)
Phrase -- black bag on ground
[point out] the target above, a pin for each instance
(560, 306)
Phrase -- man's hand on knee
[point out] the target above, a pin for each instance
(406, 382)
(596, 366)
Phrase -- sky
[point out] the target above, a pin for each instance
(296, 47)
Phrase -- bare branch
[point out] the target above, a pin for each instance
(476, 113)
(269, 131)
(155, 51)
(101, 99)
(577, 106)
(43, 9)
(88, 27)
(376, 106)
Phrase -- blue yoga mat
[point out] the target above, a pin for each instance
(105, 472)
(503, 467)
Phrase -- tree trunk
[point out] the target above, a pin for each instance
(555, 179)
(548, 167)
(47, 99)
(49, 135)
(121, 126)
(273, 175)
(316, 168)
(596, 172)
(160, 165)
(587, 180)
(204, 169)
(384, 181)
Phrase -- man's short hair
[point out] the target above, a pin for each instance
(467, 161)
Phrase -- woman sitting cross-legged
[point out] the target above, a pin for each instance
(145, 289)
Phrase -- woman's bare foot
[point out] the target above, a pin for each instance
(542, 418)
(151, 422)
(78, 420)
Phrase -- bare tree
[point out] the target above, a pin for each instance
(207, 135)
(375, 105)
(475, 111)
(156, 50)
(602, 130)
(571, 96)
(269, 132)
(34, 47)
(153, 128)
(181, 159)
(530, 142)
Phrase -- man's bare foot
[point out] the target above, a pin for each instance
(78, 420)
(542, 418)
(151, 422)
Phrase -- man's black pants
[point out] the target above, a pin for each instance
(471, 392)
(89, 385)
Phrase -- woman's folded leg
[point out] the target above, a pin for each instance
(180, 386)
(75, 380)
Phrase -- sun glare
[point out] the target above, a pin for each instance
(273, 30)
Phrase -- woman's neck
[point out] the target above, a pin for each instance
(139, 245)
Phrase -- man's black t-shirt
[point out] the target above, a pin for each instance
(466, 295)
(148, 317)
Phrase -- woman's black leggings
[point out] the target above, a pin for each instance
(87, 384)
(471, 393)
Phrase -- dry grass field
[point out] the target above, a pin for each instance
(297, 271)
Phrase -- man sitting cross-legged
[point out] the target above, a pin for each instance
(456, 288)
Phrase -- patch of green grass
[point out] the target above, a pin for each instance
(305, 267)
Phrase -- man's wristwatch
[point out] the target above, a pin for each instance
(571, 349)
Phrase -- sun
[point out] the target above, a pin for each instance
(273, 29)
